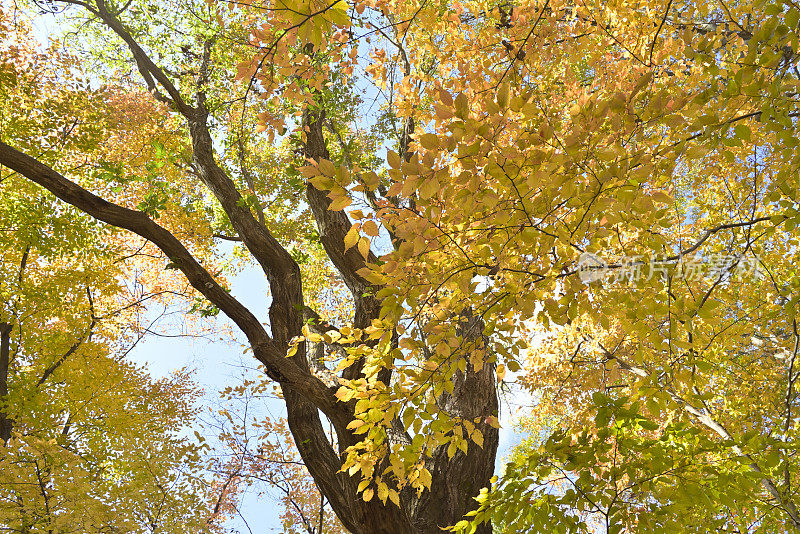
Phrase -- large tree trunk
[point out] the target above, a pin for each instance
(456, 481)
(6, 423)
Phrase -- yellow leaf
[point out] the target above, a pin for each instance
(462, 106)
(429, 141)
(660, 196)
(428, 188)
(363, 246)
(345, 394)
(451, 449)
(445, 98)
(327, 168)
(357, 423)
(340, 203)
(383, 492)
(393, 159)
(743, 132)
(425, 477)
(370, 228)
(371, 180)
(477, 437)
(368, 493)
(310, 171)
(501, 372)
(442, 112)
(502, 95)
(351, 238)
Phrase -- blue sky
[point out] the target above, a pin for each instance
(218, 364)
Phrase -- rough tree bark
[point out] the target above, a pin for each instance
(456, 481)
(6, 423)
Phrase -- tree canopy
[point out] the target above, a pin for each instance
(595, 200)
(90, 442)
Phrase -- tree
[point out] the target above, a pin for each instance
(89, 443)
(258, 454)
(650, 168)
(529, 147)
(453, 483)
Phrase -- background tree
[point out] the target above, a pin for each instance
(258, 456)
(90, 442)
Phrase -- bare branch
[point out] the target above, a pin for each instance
(708, 421)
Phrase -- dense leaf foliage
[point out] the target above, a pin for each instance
(90, 442)
(599, 197)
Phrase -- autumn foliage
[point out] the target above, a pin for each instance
(594, 200)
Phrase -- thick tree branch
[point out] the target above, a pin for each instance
(333, 226)
(281, 269)
(270, 353)
(151, 73)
